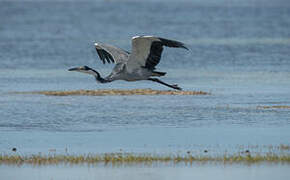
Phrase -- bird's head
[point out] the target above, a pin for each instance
(85, 69)
(88, 70)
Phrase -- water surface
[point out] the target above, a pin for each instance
(146, 172)
(238, 51)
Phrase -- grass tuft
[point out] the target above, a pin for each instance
(131, 158)
(274, 107)
(115, 92)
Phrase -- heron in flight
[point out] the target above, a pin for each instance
(137, 65)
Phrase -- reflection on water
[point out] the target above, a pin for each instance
(154, 172)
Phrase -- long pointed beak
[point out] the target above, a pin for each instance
(184, 47)
(74, 69)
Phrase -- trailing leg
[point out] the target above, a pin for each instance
(174, 86)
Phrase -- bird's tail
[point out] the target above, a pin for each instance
(157, 73)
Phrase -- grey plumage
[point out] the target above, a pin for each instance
(140, 64)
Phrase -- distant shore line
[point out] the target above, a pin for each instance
(116, 92)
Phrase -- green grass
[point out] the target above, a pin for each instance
(131, 158)
(246, 154)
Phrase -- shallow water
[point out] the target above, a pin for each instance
(196, 171)
(238, 51)
(230, 116)
(243, 64)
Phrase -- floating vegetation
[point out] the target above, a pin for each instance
(119, 92)
(284, 147)
(275, 107)
(131, 158)
(250, 154)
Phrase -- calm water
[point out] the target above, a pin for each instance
(239, 52)
(154, 173)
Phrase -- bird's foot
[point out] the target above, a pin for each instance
(175, 86)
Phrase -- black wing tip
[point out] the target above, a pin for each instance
(105, 56)
(173, 43)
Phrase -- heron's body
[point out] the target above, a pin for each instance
(135, 66)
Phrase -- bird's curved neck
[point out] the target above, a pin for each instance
(99, 78)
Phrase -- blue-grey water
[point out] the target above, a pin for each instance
(199, 171)
(239, 51)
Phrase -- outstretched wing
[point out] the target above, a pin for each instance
(111, 54)
(147, 50)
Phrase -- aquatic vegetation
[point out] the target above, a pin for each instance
(274, 107)
(110, 92)
(284, 147)
(247, 154)
(131, 158)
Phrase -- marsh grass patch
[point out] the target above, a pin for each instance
(274, 107)
(115, 92)
(122, 158)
